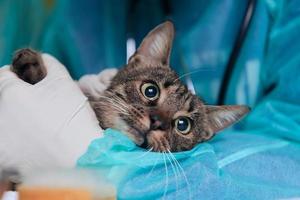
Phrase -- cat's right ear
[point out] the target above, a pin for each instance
(156, 46)
(220, 117)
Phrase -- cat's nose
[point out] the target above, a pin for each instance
(158, 123)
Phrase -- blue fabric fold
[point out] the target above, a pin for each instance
(258, 168)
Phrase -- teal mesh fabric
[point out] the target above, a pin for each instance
(225, 168)
(259, 159)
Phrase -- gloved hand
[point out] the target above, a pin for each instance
(95, 84)
(49, 124)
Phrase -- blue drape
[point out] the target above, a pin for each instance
(258, 159)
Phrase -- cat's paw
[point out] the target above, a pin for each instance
(28, 65)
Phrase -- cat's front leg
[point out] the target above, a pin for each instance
(28, 65)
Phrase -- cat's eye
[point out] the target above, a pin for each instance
(150, 91)
(183, 125)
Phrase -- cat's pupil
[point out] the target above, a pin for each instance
(151, 91)
(182, 124)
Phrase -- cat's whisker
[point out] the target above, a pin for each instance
(152, 168)
(113, 102)
(120, 101)
(116, 104)
(176, 166)
(167, 175)
(183, 173)
(174, 171)
(143, 155)
(117, 108)
(196, 71)
(112, 99)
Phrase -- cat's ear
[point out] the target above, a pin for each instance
(221, 117)
(156, 46)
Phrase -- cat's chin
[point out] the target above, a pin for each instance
(137, 136)
(151, 139)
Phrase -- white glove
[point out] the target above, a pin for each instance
(94, 85)
(49, 124)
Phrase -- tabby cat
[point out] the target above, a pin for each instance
(146, 99)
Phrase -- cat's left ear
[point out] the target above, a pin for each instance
(156, 46)
(221, 117)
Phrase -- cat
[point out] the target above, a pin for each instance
(146, 99)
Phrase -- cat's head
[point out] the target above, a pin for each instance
(147, 101)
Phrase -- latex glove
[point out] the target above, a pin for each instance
(94, 85)
(49, 124)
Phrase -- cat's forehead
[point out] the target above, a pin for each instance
(160, 74)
